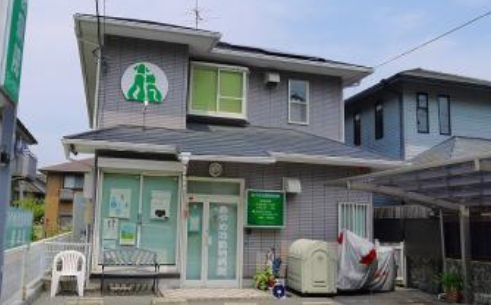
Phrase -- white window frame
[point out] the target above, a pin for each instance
(353, 206)
(218, 113)
(307, 102)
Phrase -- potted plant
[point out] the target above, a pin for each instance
(453, 285)
(264, 279)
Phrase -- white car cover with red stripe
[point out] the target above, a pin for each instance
(357, 262)
(385, 276)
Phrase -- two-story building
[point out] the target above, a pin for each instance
(414, 110)
(425, 117)
(210, 153)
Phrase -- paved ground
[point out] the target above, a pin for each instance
(401, 296)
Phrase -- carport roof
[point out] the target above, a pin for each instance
(208, 142)
(448, 184)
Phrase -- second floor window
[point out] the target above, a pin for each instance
(218, 91)
(422, 113)
(379, 120)
(444, 115)
(73, 182)
(357, 129)
(298, 102)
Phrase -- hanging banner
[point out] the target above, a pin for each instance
(13, 14)
(265, 209)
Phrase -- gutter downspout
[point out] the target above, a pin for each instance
(184, 157)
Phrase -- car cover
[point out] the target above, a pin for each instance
(357, 262)
(385, 276)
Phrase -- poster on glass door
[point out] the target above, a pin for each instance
(120, 203)
(160, 204)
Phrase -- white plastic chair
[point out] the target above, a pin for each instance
(70, 266)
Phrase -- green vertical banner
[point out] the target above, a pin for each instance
(13, 48)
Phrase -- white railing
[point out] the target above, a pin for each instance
(25, 266)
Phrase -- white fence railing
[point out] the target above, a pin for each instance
(25, 266)
(400, 261)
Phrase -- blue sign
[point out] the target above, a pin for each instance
(18, 230)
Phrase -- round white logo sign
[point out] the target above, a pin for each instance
(144, 82)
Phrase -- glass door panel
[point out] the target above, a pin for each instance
(222, 241)
(159, 214)
(119, 211)
(194, 241)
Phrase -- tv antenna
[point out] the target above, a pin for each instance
(197, 14)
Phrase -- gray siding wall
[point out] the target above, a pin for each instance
(119, 53)
(389, 145)
(470, 116)
(268, 106)
(311, 214)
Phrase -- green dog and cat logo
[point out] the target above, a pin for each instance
(144, 82)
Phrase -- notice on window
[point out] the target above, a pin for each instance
(127, 234)
(222, 257)
(160, 204)
(110, 228)
(120, 203)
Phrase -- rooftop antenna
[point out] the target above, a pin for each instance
(197, 14)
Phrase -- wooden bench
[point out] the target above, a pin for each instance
(139, 259)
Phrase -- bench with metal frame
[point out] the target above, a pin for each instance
(131, 257)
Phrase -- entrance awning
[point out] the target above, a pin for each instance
(458, 185)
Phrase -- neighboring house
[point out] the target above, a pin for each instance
(423, 117)
(25, 181)
(63, 182)
(211, 154)
(414, 110)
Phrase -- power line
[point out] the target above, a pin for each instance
(424, 44)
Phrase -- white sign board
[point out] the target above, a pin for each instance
(160, 204)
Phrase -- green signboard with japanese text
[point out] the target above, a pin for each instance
(265, 209)
(15, 12)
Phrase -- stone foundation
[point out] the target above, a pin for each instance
(481, 279)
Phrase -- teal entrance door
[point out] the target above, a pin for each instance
(212, 255)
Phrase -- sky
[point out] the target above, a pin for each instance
(52, 101)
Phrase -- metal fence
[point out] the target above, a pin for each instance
(25, 266)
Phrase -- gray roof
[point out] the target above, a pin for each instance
(249, 141)
(225, 45)
(73, 166)
(423, 75)
(454, 148)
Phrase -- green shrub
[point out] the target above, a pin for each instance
(36, 206)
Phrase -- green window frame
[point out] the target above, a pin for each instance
(218, 90)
